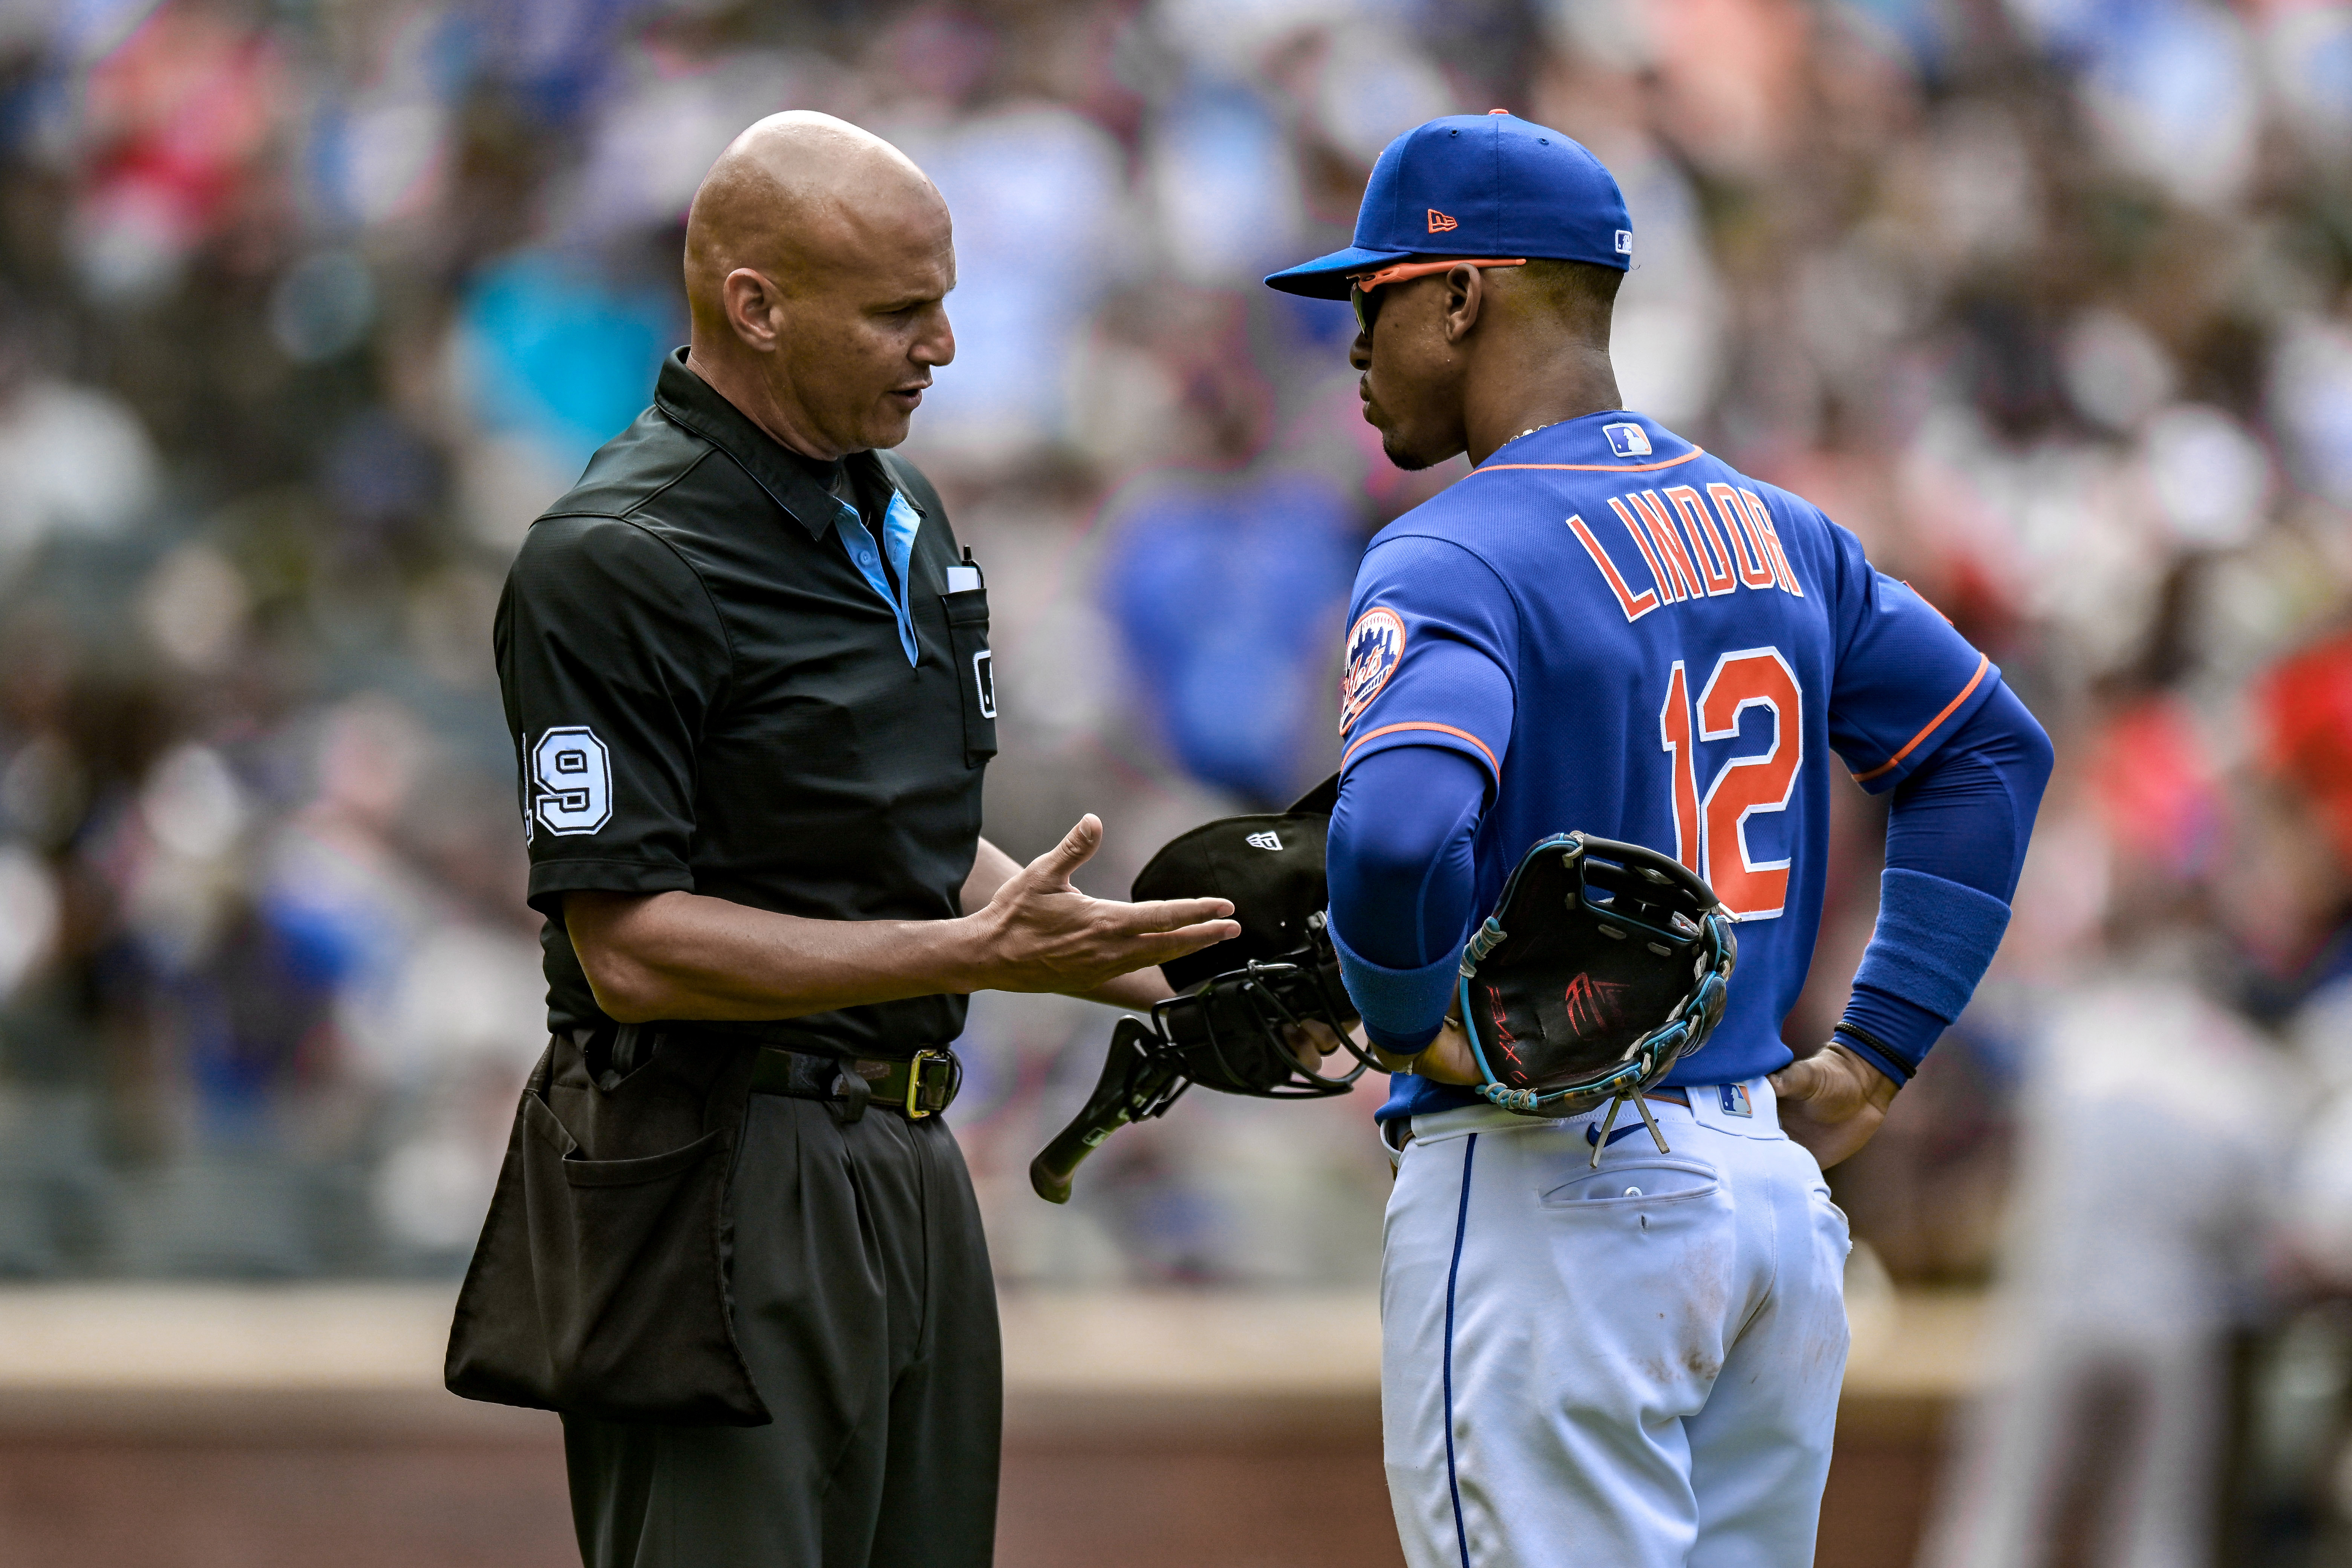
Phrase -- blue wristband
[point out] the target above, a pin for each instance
(1934, 941)
(1401, 1008)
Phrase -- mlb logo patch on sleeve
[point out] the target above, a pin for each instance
(1627, 440)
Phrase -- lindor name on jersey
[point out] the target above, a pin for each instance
(1690, 548)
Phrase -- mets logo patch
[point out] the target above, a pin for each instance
(1375, 643)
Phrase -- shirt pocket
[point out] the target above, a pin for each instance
(967, 614)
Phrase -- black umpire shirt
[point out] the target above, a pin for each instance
(722, 678)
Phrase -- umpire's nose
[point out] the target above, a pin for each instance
(935, 344)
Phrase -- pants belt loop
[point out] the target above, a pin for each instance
(851, 1091)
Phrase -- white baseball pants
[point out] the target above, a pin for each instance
(1636, 1367)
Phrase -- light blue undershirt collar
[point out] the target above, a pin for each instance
(899, 526)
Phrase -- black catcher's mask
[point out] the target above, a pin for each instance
(1238, 1004)
(1235, 1024)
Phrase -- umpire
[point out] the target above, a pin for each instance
(747, 669)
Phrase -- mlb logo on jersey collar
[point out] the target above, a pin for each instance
(1735, 1100)
(1627, 440)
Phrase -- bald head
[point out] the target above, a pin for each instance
(796, 195)
(818, 257)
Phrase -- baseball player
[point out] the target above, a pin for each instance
(1597, 1351)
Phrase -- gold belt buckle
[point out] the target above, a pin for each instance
(915, 1083)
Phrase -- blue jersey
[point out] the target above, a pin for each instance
(1635, 640)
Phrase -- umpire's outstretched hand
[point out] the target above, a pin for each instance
(1041, 934)
(1832, 1102)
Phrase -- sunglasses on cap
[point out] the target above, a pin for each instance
(1360, 286)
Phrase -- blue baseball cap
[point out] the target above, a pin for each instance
(1477, 185)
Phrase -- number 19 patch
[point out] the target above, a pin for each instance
(572, 779)
(1375, 644)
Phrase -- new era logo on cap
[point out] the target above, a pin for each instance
(1627, 440)
(1266, 841)
(1438, 223)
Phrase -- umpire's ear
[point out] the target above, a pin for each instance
(754, 307)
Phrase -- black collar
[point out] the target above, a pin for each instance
(694, 403)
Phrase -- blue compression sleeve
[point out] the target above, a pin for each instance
(1966, 816)
(1955, 844)
(1401, 876)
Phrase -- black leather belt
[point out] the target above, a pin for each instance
(923, 1086)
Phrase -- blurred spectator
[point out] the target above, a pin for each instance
(1229, 597)
(2146, 1188)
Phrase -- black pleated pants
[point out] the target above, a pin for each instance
(866, 1309)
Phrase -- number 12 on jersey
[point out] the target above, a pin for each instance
(1711, 829)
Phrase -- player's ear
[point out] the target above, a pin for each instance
(1465, 291)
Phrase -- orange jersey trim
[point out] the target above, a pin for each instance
(1594, 467)
(1416, 724)
(1984, 662)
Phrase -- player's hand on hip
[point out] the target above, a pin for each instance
(1832, 1102)
(1041, 934)
(1445, 1060)
(1448, 1059)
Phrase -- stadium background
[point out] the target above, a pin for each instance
(307, 306)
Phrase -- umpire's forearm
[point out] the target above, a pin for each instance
(686, 955)
(1135, 992)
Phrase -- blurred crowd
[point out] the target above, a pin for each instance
(308, 306)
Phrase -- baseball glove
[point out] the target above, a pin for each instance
(1602, 965)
